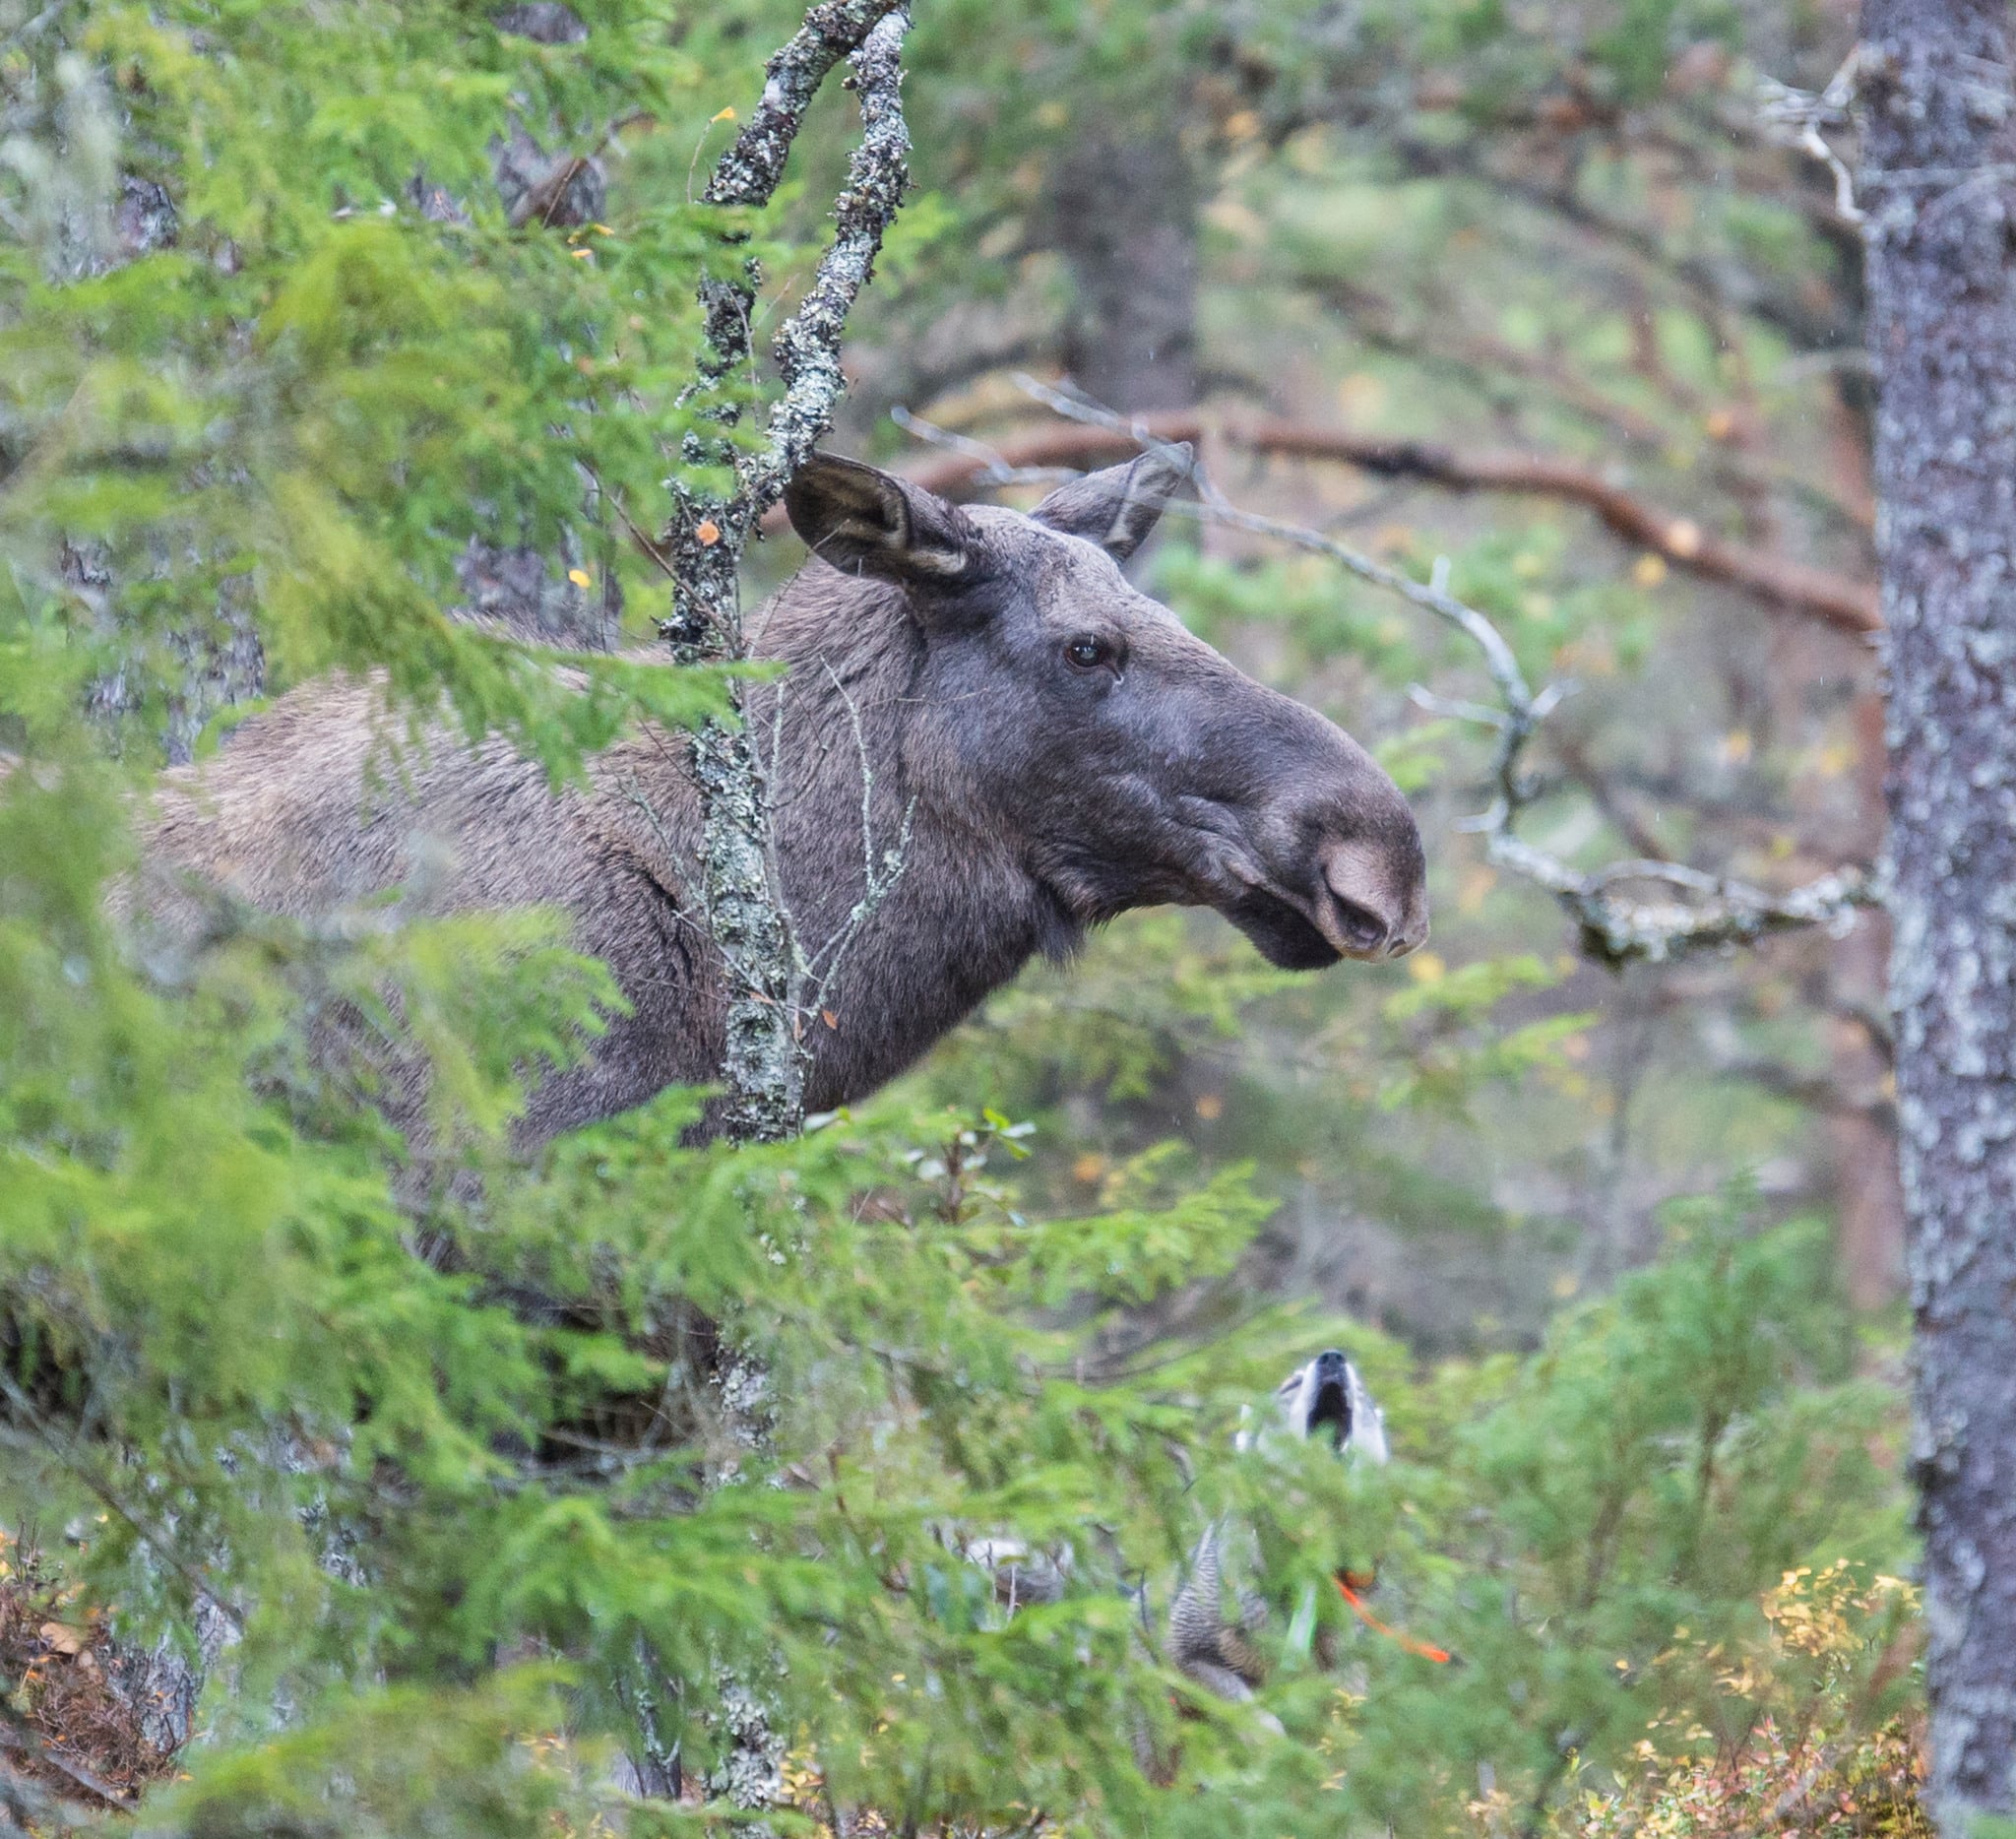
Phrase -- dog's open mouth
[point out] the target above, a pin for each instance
(1332, 1409)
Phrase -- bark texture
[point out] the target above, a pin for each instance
(1939, 183)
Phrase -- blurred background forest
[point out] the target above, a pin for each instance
(1559, 249)
(309, 329)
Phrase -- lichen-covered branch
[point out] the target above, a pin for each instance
(808, 348)
(763, 1062)
(1704, 912)
(749, 171)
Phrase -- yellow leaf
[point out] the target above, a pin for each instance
(581, 577)
(726, 114)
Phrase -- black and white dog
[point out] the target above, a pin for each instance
(1326, 1398)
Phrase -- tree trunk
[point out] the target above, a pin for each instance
(1125, 217)
(1939, 139)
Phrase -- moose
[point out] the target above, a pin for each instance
(1050, 746)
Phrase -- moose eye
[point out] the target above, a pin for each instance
(1089, 652)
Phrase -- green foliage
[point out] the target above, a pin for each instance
(319, 388)
(1452, 1049)
(244, 1329)
(1609, 1513)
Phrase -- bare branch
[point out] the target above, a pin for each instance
(1800, 119)
(878, 877)
(993, 470)
(1839, 600)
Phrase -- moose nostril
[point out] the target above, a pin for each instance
(1375, 904)
(1409, 937)
(1367, 929)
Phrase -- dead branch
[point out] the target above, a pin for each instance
(1796, 118)
(1717, 911)
(1839, 600)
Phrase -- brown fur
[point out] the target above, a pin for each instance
(1041, 796)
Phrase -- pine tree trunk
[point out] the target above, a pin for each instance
(1939, 184)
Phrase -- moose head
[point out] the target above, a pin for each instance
(1126, 762)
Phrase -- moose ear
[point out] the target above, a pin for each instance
(867, 522)
(1119, 507)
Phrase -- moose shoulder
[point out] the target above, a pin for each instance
(1050, 746)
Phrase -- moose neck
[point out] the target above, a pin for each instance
(910, 905)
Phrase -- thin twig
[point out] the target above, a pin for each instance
(877, 881)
